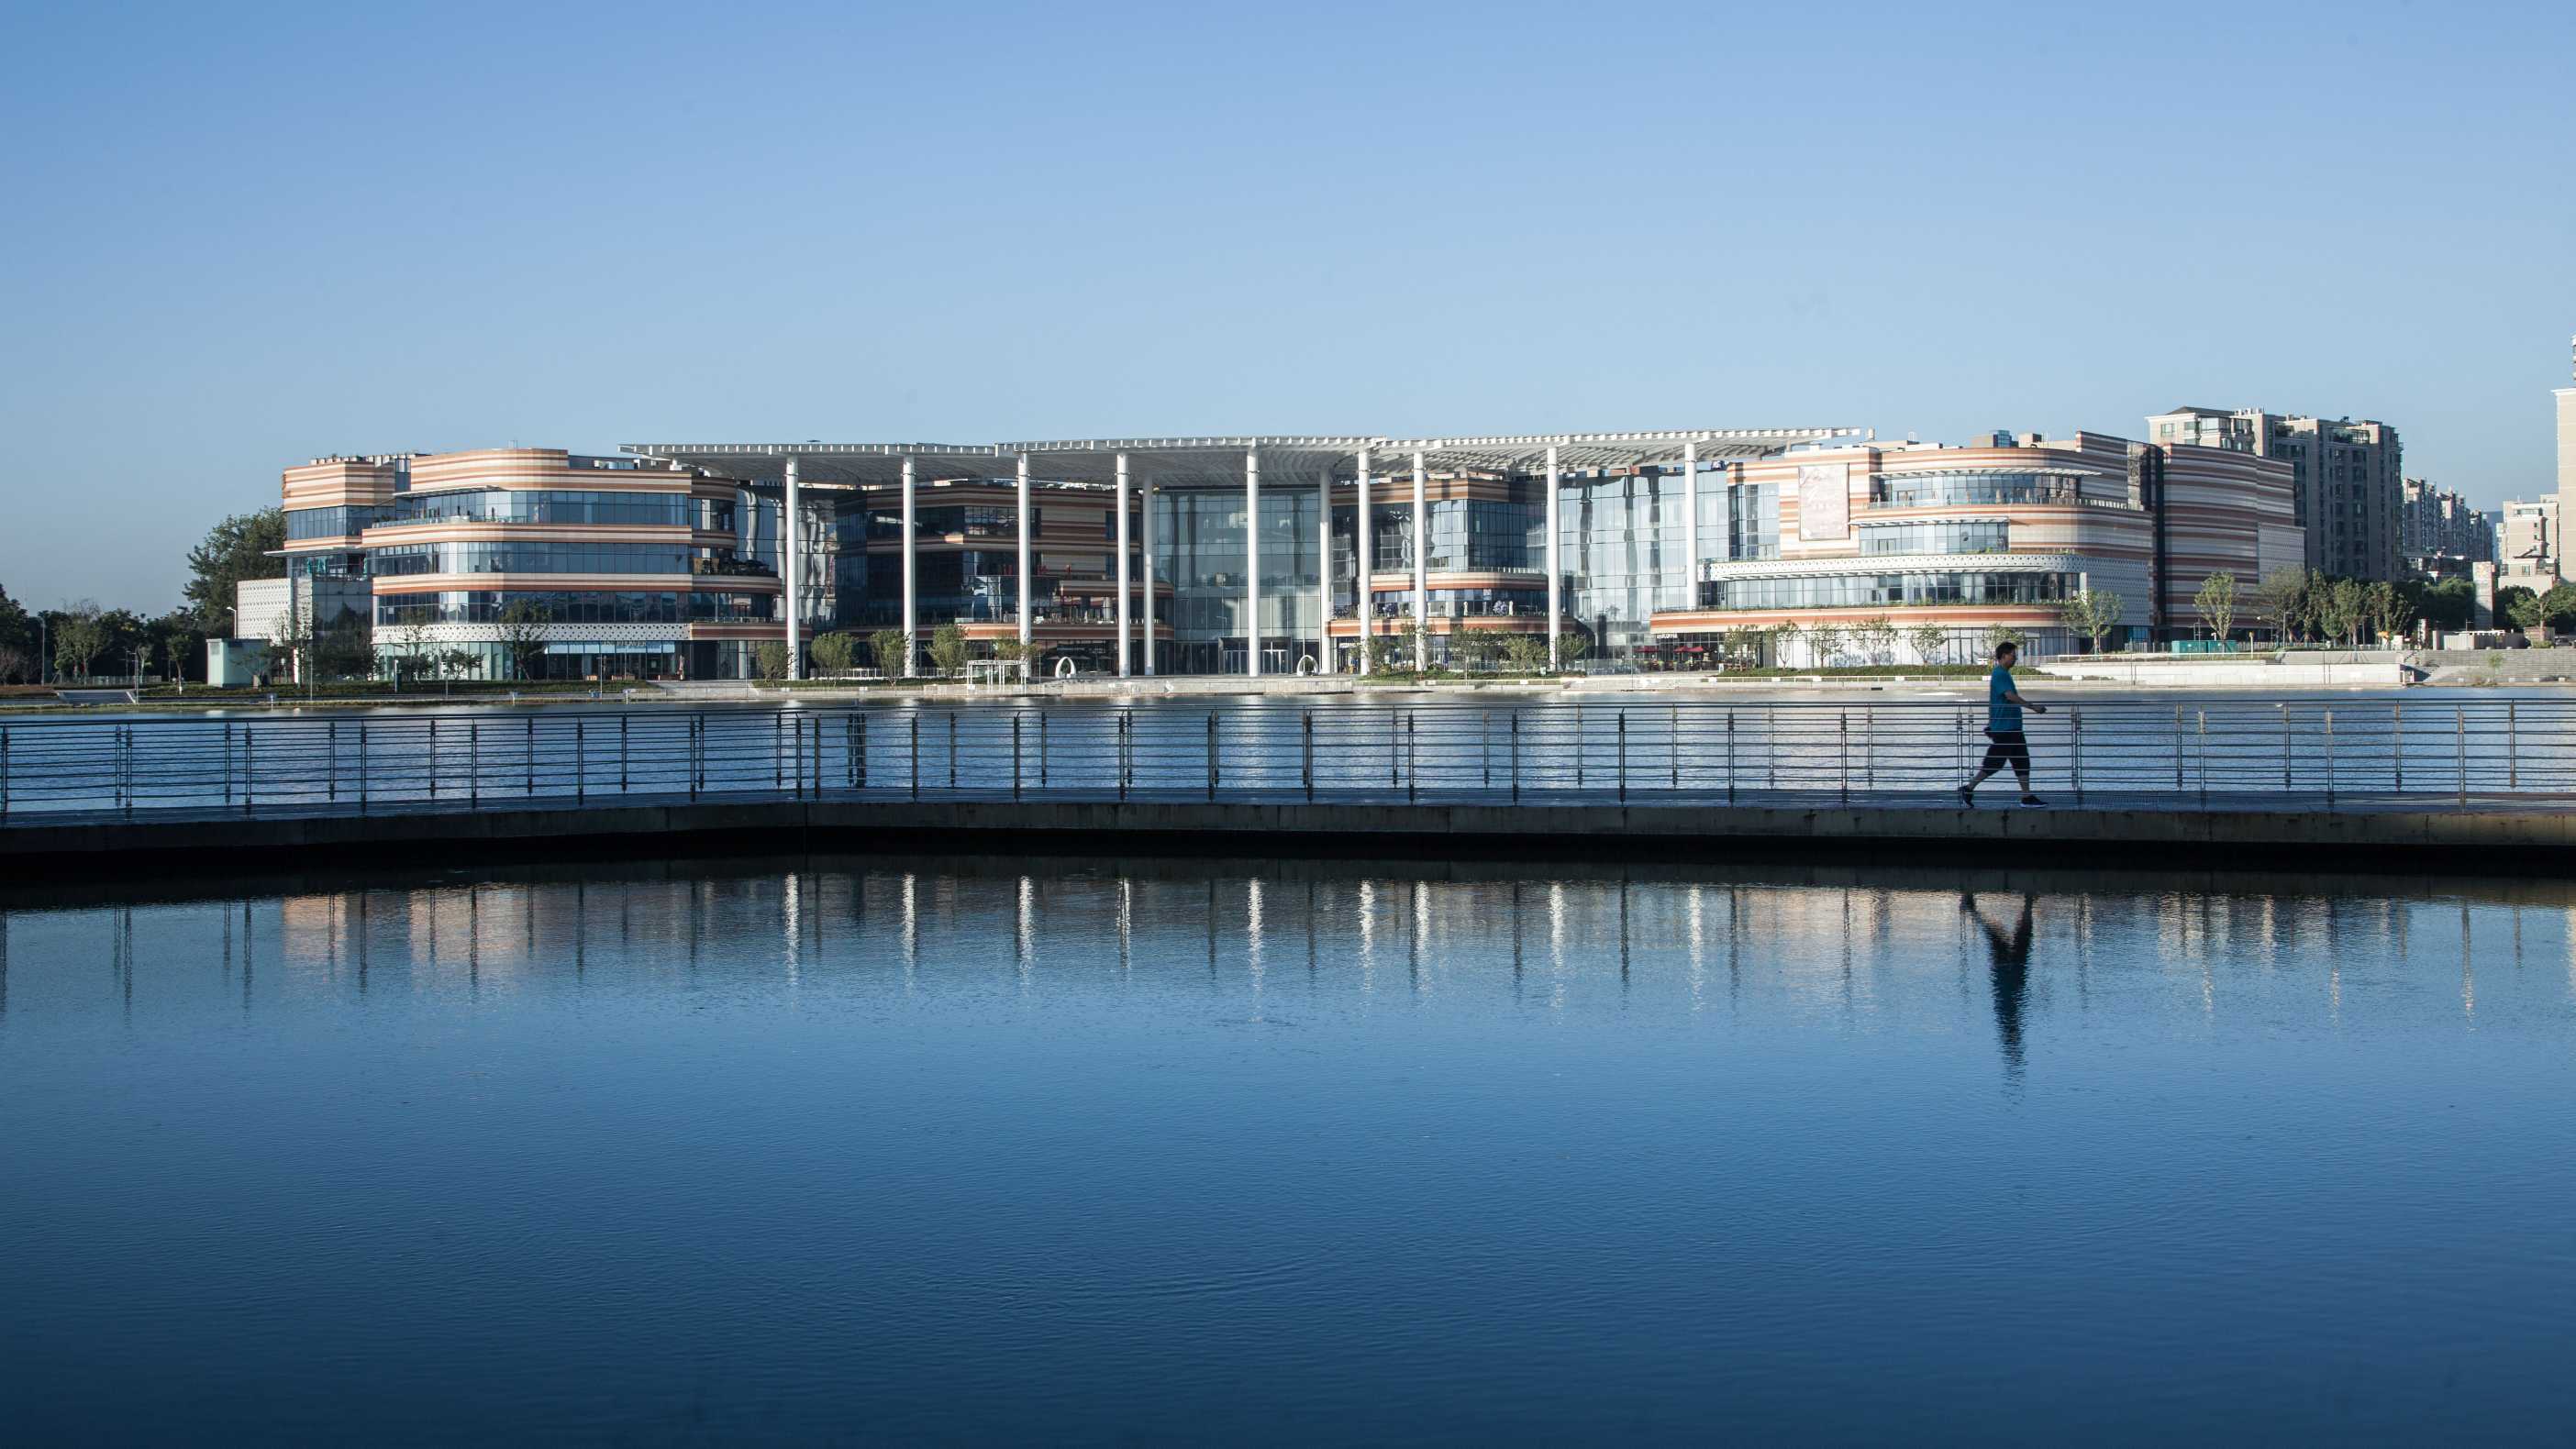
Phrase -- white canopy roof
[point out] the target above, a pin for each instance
(1212, 461)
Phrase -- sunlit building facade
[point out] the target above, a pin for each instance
(537, 563)
(1856, 552)
(1142, 556)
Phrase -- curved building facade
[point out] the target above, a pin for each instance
(1949, 544)
(538, 563)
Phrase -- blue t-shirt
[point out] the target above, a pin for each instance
(2001, 715)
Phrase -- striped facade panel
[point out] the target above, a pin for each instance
(2225, 512)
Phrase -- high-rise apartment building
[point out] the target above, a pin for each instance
(2439, 534)
(2567, 447)
(2528, 550)
(2346, 478)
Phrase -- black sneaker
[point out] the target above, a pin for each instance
(2032, 800)
(1968, 797)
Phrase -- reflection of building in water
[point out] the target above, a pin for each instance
(1822, 946)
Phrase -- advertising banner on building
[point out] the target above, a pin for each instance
(1824, 502)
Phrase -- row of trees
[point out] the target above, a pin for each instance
(80, 640)
(2528, 608)
(2300, 604)
(2308, 605)
(1874, 640)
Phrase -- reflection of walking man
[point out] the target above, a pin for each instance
(2003, 726)
(2009, 956)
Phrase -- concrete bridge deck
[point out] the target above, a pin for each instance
(2517, 834)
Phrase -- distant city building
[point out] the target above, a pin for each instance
(2528, 547)
(2345, 488)
(2567, 450)
(2439, 534)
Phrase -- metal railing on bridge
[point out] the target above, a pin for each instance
(2353, 754)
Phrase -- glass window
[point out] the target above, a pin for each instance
(304, 523)
(1981, 536)
(1831, 591)
(517, 557)
(1924, 490)
(540, 505)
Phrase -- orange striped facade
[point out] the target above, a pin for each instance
(2146, 523)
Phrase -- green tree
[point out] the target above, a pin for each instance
(233, 550)
(523, 636)
(17, 627)
(1876, 637)
(1824, 644)
(835, 653)
(1572, 645)
(1929, 641)
(2531, 609)
(179, 645)
(886, 646)
(291, 646)
(2340, 607)
(1742, 643)
(1782, 636)
(1474, 648)
(2513, 602)
(2558, 606)
(948, 649)
(2448, 605)
(2281, 601)
(413, 657)
(1999, 635)
(455, 664)
(80, 635)
(345, 648)
(769, 659)
(2092, 613)
(2216, 601)
(2390, 610)
(1383, 650)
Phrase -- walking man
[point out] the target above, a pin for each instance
(2003, 726)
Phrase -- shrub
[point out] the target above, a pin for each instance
(886, 645)
(835, 653)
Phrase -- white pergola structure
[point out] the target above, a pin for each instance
(1146, 465)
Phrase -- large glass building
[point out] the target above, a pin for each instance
(1276, 555)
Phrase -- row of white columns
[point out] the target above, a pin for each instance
(1365, 563)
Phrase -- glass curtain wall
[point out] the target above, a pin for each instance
(1198, 549)
(1622, 553)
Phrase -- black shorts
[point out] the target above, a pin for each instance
(2010, 747)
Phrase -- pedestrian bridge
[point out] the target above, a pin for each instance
(2432, 784)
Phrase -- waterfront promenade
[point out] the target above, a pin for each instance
(2492, 782)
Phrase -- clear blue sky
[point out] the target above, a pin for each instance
(240, 236)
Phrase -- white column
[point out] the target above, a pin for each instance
(1690, 525)
(1421, 569)
(1324, 572)
(1122, 566)
(1555, 575)
(790, 574)
(1252, 563)
(1366, 597)
(1025, 555)
(1146, 600)
(911, 623)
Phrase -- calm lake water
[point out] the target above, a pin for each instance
(1175, 1153)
